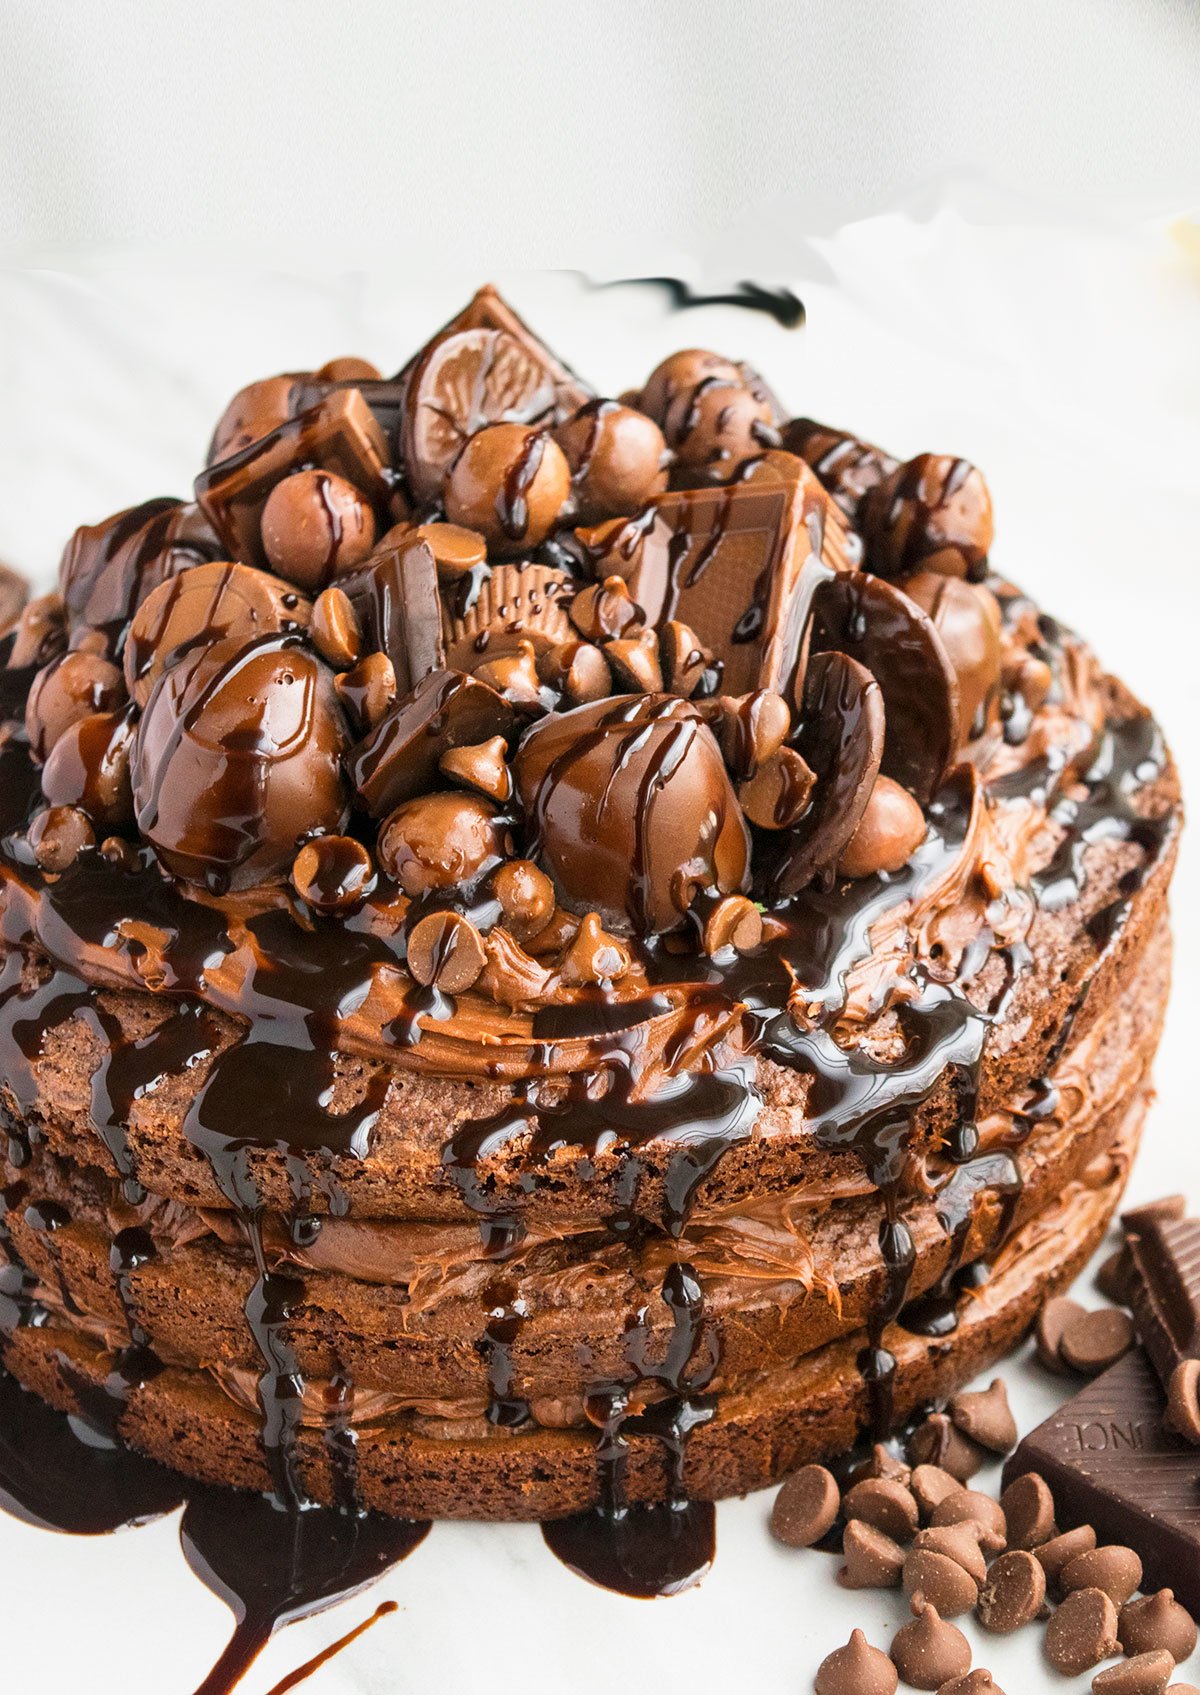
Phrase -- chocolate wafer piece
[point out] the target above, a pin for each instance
(1111, 1462)
(1165, 1252)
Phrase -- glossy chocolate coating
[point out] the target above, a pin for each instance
(618, 459)
(441, 841)
(253, 412)
(109, 568)
(237, 758)
(967, 620)
(631, 810)
(932, 503)
(315, 526)
(510, 483)
(71, 687)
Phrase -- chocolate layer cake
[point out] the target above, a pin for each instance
(558, 952)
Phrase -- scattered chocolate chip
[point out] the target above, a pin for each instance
(805, 1507)
(1082, 1632)
(974, 1683)
(887, 1506)
(938, 1442)
(931, 1484)
(683, 658)
(633, 661)
(884, 1463)
(603, 611)
(1095, 1340)
(526, 897)
(335, 629)
(1028, 1508)
(929, 1651)
(1054, 1556)
(1114, 1569)
(856, 1669)
(873, 1559)
(1115, 1277)
(985, 1416)
(1157, 1621)
(368, 691)
(941, 1580)
(972, 1506)
(959, 1542)
(445, 951)
(753, 727)
(438, 842)
(1183, 1400)
(510, 483)
(333, 873)
(1013, 1594)
(58, 835)
(483, 766)
(1145, 1674)
(514, 677)
(1053, 1319)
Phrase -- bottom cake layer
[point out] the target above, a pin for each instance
(753, 1435)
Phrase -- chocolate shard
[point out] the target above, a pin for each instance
(400, 757)
(395, 595)
(1111, 1463)
(840, 736)
(739, 564)
(384, 395)
(339, 434)
(877, 624)
(1166, 1290)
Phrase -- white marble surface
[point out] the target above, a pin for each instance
(1068, 366)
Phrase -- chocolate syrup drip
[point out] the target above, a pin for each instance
(301, 1673)
(778, 303)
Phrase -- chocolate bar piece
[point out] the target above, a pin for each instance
(396, 597)
(1165, 1289)
(1111, 1462)
(340, 434)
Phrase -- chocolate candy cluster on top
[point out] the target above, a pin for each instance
(559, 673)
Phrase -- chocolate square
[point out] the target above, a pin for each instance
(339, 434)
(1166, 1290)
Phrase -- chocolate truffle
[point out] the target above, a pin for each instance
(618, 459)
(510, 483)
(237, 758)
(71, 687)
(315, 525)
(933, 503)
(631, 810)
(441, 841)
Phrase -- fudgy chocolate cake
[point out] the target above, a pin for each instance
(558, 952)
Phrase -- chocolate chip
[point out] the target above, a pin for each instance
(1115, 1277)
(941, 1580)
(986, 1417)
(335, 629)
(526, 897)
(593, 956)
(39, 633)
(928, 1651)
(368, 691)
(483, 766)
(58, 835)
(1054, 1556)
(1157, 1621)
(937, 1442)
(1013, 1594)
(1145, 1674)
(971, 1506)
(684, 659)
(1183, 1400)
(884, 1463)
(931, 1484)
(805, 1507)
(1082, 1632)
(1053, 1319)
(333, 873)
(959, 1542)
(1183, 1689)
(776, 797)
(514, 677)
(873, 1559)
(887, 1506)
(602, 611)
(633, 661)
(400, 757)
(752, 727)
(974, 1683)
(1095, 1340)
(1028, 1508)
(1114, 1569)
(731, 921)
(445, 951)
(856, 1669)
(456, 550)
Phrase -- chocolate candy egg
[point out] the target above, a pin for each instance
(967, 618)
(631, 811)
(237, 760)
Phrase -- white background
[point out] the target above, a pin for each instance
(1030, 301)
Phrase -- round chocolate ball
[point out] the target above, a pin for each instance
(715, 427)
(71, 687)
(441, 841)
(510, 482)
(967, 618)
(238, 760)
(631, 811)
(934, 504)
(678, 374)
(618, 459)
(253, 412)
(315, 525)
(348, 369)
(89, 767)
(887, 835)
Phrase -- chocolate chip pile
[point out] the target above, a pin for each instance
(563, 670)
(915, 1524)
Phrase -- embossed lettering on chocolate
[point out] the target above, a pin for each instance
(548, 942)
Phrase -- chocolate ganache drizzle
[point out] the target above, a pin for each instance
(619, 757)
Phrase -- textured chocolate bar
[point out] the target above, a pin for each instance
(1165, 1290)
(1111, 1462)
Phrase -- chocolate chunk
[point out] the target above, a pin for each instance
(1145, 1674)
(1056, 1555)
(856, 1669)
(878, 625)
(395, 598)
(986, 1417)
(929, 1651)
(1115, 1569)
(1112, 1463)
(1013, 1595)
(1165, 1252)
(338, 435)
(1164, 1209)
(1053, 1319)
(1028, 1508)
(1093, 1341)
(840, 737)
(1157, 1622)
(874, 1560)
(887, 1506)
(1082, 1632)
(847, 466)
(400, 756)
(739, 566)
